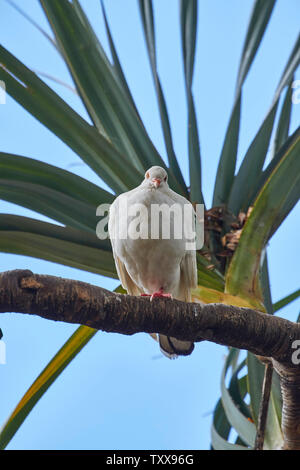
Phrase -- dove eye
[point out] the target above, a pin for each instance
(165, 178)
(147, 175)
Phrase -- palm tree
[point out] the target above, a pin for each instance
(248, 205)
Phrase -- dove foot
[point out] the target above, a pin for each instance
(161, 294)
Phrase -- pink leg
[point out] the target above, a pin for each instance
(160, 293)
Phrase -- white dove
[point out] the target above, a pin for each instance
(148, 262)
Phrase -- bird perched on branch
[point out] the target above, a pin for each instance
(149, 233)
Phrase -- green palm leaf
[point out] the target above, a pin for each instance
(259, 20)
(56, 193)
(244, 186)
(244, 427)
(146, 11)
(35, 96)
(63, 245)
(264, 176)
(275, 200)
(282, 131)
(54, 204)
(188, 19)
(251, 167)
(91, 71)
(28, 170)
(117, 68)
(99, 89)
(219, 443)
(273, 435)
(264, 280)
(220, 425)
(227, 162)
(238, 390)
(286, 300)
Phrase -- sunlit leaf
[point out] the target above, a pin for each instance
(219, 443)
(238, 390)
(208, 295)
(245, 428)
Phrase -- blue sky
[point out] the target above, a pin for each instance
(120, 393)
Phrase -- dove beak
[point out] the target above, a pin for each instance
(156, 182)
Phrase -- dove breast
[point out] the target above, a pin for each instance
(152, 263)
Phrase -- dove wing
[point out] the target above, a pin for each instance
(188, 266)
(127, 283)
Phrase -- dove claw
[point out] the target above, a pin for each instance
(161, 295)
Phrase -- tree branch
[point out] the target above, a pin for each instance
(264, 405)
(78, 302)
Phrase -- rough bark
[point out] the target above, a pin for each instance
(290, 388)
(71, 301)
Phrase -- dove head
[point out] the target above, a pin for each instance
(156, 177)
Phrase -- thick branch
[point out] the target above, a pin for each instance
(71, 301)
(77, 302)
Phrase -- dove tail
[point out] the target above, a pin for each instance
(172, 347)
